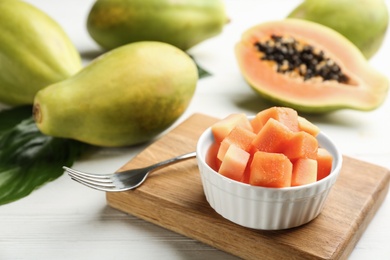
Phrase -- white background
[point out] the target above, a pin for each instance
(64, 220)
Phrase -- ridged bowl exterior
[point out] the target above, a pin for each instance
(261, 207)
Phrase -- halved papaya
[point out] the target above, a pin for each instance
(308, 67)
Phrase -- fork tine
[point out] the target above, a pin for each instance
(91, 180)
(99, 182)
(98, 186)
(87, 178)
(102, 182)
(90, 175)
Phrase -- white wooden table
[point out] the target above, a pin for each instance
(64, 220)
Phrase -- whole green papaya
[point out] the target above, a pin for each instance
(185, 23)
(124, 97)
(363, 22)
(34, 52)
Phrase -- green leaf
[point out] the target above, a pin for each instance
(29, 159)
(11, 117)
(201, 72)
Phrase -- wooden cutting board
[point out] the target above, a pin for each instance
(173, 198)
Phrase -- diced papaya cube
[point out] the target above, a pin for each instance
(234, 163)
(239, 136)
(223, 127)
(270, 170)
(211, 157)
(286, 116)
(225, 144)
(301, 145)
(307, 126)
(324, 162)
(272, 137)
(247, 172)
(304, 172)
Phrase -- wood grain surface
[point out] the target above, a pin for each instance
(173, 198)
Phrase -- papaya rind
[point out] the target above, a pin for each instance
(368, 92)
(363, 22)
(127, 96)
(34, 52)
(113, 23)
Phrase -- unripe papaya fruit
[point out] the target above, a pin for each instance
(125, 97)
(363, 22)
(112, 23)
(34, 52)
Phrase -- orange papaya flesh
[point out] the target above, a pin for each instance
(247, 172)
(222, 128)
(238, 136)
(273, 137)
(301, 145)
(272, 170)
(234, 163)
(307, 126)
(359, 86)
(211, 157)
(304, 172)
(324, 163)
(285, 115)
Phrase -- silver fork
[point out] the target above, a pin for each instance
(121, 181)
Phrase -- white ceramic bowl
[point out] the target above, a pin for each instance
(261, 207)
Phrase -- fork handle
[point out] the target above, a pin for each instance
(172, 161)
